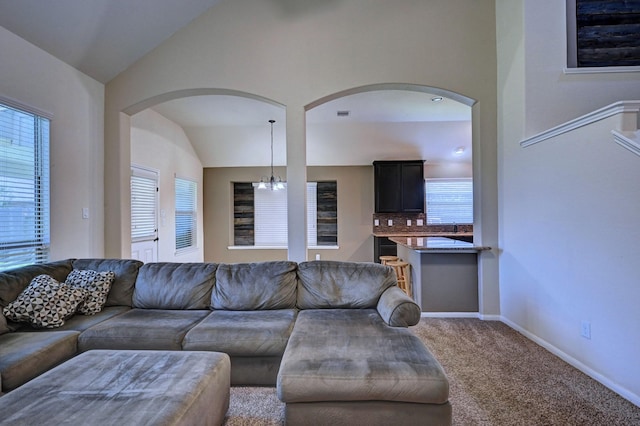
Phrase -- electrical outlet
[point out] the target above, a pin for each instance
(585, 329)
(376, 222)
(408, 222)
(85, 212)
(419, 222)
(390, 222)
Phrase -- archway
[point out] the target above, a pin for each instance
(198, 140)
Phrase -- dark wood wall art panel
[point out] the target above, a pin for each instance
(608, 33)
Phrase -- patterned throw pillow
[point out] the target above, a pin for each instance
(97, 285)
(45, 303)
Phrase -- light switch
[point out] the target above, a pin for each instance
(390, 222)
(376, 222)
(419, 222)
(85, 212)
(408, 222)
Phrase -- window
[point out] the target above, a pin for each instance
(24, 187)
(186, 206)
(449, 201)
(260, 215)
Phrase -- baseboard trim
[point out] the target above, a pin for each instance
(623, 392)
(450, 315)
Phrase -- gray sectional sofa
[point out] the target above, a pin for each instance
(331, 336)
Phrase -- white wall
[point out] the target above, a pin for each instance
(295, 53)
(36, 79)
(567, 205)
(553, 97)
(160, 144)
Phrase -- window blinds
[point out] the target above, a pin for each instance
(185, 213)
(24, 188)
(270, 216)
(449, 201)
(144, 196)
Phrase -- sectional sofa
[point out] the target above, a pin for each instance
(331, 336)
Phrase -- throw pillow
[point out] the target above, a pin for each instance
(97, 284)
(45, 303)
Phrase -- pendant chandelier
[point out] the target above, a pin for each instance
(273, 183)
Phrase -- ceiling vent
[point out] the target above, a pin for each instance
(343, 113)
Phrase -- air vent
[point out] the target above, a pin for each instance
(343, 113)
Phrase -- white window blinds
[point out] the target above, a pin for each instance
(186, 205)
(270, 226)
(144, 199)
(449, 201)
(270, 216)
(24, 188)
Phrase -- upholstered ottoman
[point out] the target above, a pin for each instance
(347, 367)
(103, 387)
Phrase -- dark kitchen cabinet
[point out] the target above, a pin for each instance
(383, 246)
(399, 186)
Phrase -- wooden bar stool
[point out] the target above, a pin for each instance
(385, 259)
(401, 269)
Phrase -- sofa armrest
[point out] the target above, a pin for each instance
(398, 309)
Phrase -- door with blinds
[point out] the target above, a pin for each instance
(144, 214)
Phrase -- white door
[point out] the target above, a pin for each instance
(144, 214)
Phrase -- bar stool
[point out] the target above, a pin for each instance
(401, 269)
(385, 259)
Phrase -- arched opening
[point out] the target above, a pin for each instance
(347, 131)
(207, 141)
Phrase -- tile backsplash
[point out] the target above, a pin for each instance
(418, 223)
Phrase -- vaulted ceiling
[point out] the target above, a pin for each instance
(102, 38)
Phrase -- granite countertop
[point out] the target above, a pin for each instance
(430, 243)
(422, 234)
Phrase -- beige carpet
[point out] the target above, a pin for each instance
(497, 377)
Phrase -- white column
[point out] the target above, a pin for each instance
(297, 183)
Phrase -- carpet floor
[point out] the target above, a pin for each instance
(497, 377)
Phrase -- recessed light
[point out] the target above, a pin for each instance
(437, 99)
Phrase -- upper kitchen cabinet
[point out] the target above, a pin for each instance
(399, 186)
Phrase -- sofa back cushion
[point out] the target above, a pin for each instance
(125, 270)
(13, 281)
(174, 285)
(333, 284)
(253, 286)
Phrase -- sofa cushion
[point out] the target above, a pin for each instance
(155, 329)
(332, 284)
(13, 281)
(352, 355)
(125, 270)
(242, 333)
(24, 356)
(97, 284)
(77, 322)
(174, 286)
(45, 303)
(253, 286)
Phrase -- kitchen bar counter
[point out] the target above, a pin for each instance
(439, 244)
(422, 234)
(444, 272)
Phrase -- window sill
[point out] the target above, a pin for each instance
(280, 248)
(185, 250)
(600, 70)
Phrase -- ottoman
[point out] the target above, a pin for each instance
(125, 388)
